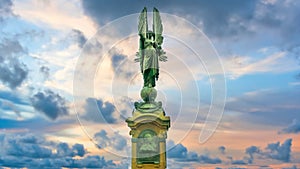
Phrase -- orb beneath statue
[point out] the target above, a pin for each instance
(148, 94)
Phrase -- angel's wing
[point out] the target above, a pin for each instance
(157, 26)
(143, 25)
(143, 29)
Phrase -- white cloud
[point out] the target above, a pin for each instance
(60, 14)
(277, 62)
(294, 83)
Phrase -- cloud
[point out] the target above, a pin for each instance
(50, 104)
(13, 72)
(243, 161)
(24, 146)
(11, 101)
(27, 150)
(214, 15)
(238, 162)
(8, 105)
(218, 19)
(5, 9)
(79, 37)
(101, 12)
(37, 125)
(280, 15)
(275, 151)
(237, 27)
(45, 71)
(55, 15)
(116, 141)
(206, 159)
(256, 107)
(12, 97)
(292, 167)
(298, 75)
(279, 152)
(93, 162)
(231, 168)
(177, 151)
(294, 127)
(222, 149)
(121, 65)
(98, 111)
(116, 59)
(63, 150)
(276, 62)
(251, 151)
(180, 153)
(32, 151)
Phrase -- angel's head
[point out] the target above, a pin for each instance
(150, 35)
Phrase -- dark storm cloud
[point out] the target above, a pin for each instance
(13, 72)
(98, 111)
(49, 103)
(32, 151)
(79, 37)
(115, 141)
(294, 127)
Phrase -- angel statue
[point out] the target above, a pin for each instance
(150, 52)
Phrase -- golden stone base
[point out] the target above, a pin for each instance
(149, 133)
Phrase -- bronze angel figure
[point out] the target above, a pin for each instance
(150, 50)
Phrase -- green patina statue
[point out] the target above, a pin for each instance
(150, 52)
(149, 123)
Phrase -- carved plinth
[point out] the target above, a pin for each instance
(149, 133)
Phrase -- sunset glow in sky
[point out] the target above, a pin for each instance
(68, 81)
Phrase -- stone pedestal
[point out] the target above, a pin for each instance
(149, 128)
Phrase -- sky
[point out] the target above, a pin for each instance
(231, 85)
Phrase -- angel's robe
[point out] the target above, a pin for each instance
(150, 63)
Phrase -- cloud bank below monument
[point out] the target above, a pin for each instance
(258, 45)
